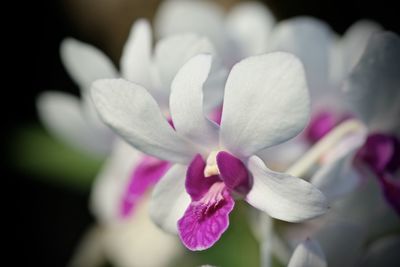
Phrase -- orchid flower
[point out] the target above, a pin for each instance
(118, 197)
(78, 122)
(75, 121)
(377, 152)
(364, 163)
(119, 190)
(311, 40)
(327, 59)
(125, 235)
(266, 102)
(156, 73)
(243, 32)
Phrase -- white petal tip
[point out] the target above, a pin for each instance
(308, 254)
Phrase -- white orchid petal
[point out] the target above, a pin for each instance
(337, 178)
(186, 102)
(266, 103)
(110, 183)
(249, 25)
(201, 17)
(136, 55)
(62, 115)
(213, 88)
(311, 40)
(308, 254)
(171, 53)
(373, 86)
(170, 200)
(131, 111)
(138, 242)
(85, 63)
(282, 156)
(355, 40)
(283, 196)
(92, 117)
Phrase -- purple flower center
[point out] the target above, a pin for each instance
(381, 153)
(146, 173)
(211, 201)
(214, 195)
(210, 186)
(321, 124)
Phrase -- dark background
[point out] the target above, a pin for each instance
(43, 221)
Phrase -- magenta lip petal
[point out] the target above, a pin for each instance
(234, 173)
(146, 173)
(379, 152)
(196, 183)
(320, 125)
(203, 223)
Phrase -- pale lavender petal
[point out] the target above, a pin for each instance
(145, 174)
(234, 173)
(196, 183)
(206, 220)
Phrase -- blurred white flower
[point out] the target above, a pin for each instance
(378, 149)
(328, 60)
(308, 254)
(242, 32)
(359, 178)
(75, 121)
